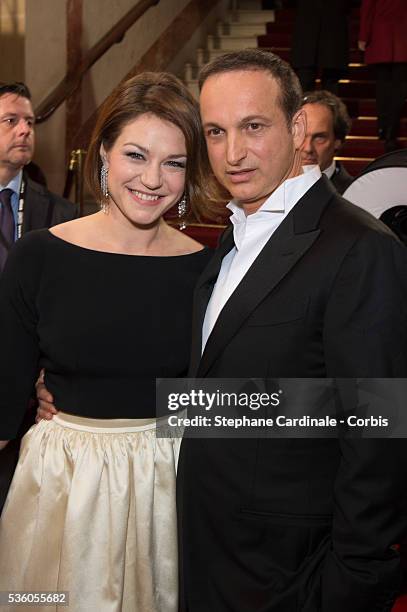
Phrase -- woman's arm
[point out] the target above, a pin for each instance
(19, 355)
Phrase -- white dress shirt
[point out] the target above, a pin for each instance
(330, 171)
(250, 235)
(15, 186)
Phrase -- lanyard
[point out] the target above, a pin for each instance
(20, 211)
(20, 216)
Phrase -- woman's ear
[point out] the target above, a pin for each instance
(103, 156)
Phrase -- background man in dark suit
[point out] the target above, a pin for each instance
(28, 204)
(304, 284)
(24, 204)
(328, 124)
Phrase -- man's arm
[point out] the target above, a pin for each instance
(365, 336)
(46, 408)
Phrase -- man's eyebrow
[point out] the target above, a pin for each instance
(211, 124)
(243, 121)
(254, 119)
(13, 115)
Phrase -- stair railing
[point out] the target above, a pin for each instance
(72, 80)
(75, 176)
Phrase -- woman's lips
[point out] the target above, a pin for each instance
(144, 198)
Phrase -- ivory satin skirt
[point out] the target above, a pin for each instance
(91, 510)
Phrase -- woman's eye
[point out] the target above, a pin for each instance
(134, 155)
(176, 164)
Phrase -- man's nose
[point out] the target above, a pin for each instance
(24, 127)
(307, 145)
(236, 149)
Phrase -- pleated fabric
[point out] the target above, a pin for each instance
(91, 510)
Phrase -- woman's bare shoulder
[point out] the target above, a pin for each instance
(183, 244)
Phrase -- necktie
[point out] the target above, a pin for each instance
(6, 225)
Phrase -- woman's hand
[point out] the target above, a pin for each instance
(3, 444)
(46, 408)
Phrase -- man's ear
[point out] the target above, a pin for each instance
(338, 145)
(299, 128)
(103, 156)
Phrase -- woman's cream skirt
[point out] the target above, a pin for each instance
(91, 510)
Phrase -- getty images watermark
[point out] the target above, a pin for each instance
(281, 408)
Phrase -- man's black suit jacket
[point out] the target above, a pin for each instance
(42, 208)
(341, 179)
(304, 525)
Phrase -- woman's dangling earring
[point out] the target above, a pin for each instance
(104, 205)
(182, 211)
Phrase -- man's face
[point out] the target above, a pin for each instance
(320, 144)
(251, 148)
(16, 131)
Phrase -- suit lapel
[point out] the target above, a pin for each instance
(293, 238)
(203, 292)
(37, 207)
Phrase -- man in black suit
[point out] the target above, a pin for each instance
(24, 204)
(303, 285)
(32, 206)
(328, 124)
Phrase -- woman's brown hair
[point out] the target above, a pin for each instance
(163, 95)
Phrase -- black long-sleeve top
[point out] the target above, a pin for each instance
(103, 325)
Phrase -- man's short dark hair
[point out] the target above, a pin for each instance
(17, 88)
(341, 120)
(257, 59)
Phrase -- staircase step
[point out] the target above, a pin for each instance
(245, 29)
(285, 16)
(234, 43)
(367, 126)
(354, 165)
(251, 16)
(276, 27)
(365, 107)
(356, 89)
(366, 146)
(249, 5)
(276, 39)
(361, 72)
(285, 52)
(282, 36)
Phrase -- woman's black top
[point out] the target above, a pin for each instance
(103, 325)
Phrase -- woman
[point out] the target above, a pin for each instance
(103, 303)
(383, 38)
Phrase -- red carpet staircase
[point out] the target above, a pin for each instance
(358, 93)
